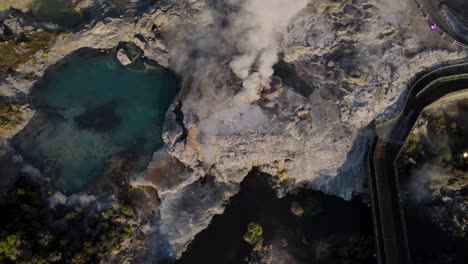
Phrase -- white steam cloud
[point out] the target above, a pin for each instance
(419, 185)
(229, 39)
(259, 25)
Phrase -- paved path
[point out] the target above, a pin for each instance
(389, 223)
(431, 10)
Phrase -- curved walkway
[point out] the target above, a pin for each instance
(389, 223)
(432, 13)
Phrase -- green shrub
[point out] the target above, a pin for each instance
(254, 234)
(45, 238)
(438, 124)
(296, 208)
(8, 246)
(26, 238)
(126, 210)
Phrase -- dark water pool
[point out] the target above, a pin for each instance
(90, 109)
(428, 243)
(337, 224)
(60, 12)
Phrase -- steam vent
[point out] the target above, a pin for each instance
(234, 131)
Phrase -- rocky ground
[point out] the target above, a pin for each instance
(355, 61)
(343, 65)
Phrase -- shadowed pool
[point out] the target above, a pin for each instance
(91, 109)
(337, 231)
(60, 12)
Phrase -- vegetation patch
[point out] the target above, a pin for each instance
(442, 143)
(254, 234)
(353, 249)
(11, 115)
(111, 229)
(296, 209)
(27, 234)
(14, 53)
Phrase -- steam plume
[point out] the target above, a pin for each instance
(258, 25)
(239, 39)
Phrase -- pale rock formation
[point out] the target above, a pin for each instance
(122, 56)
(24, 5)
(356, 58)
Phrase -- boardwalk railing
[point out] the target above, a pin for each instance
(390, 225)
(441, 32)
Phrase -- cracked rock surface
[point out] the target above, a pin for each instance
(352, 59)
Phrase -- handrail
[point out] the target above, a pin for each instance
(417, 84)
(441, 32)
